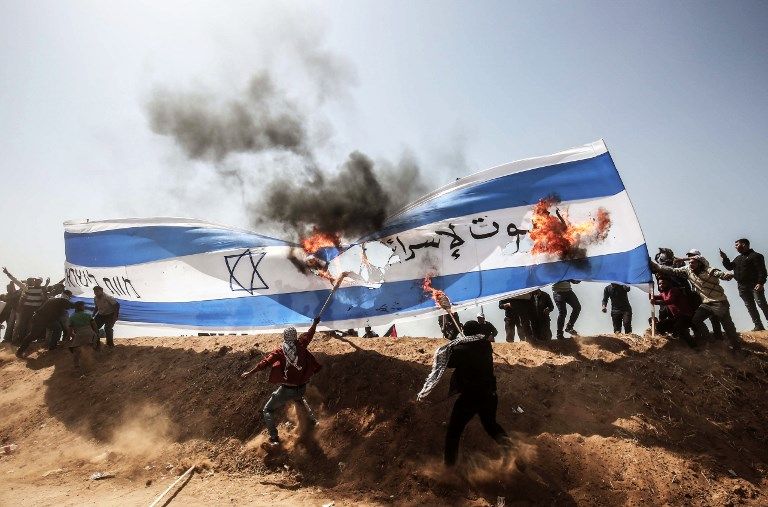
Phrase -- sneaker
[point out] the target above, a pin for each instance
(572, 331)
(560, 335)
(274, 441)
(756, 329)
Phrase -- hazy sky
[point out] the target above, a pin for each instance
(676, 89)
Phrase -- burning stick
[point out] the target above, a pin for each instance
(441, 300)
(333, 291)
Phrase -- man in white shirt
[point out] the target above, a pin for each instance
(107, 312)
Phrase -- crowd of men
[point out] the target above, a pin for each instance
(689, 294)
(34, 311)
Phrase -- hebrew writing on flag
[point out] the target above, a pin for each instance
(498, 232)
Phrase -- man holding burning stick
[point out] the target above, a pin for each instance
(292, 368)
(472, 357)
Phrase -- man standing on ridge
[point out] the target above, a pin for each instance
(621, 310)
(107, 312)
(542, 307)
(564, 295)
(749, 271)
(292, 366)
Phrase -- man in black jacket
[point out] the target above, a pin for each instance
(542, 307)
(749, 271)
(475, 382)
(621, 311)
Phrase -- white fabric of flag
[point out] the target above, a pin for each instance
(475, 236)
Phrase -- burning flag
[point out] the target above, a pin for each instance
(554, 233)
(480, 238)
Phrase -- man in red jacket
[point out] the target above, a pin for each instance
(679, 312)
(292, 367)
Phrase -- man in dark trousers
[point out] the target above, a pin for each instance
(749, 271)
(542, 307)
(53, 312)
(107, 313)
(564, 295)
(486, 328)
(472, 357)
(292, 366)
(621, 310)
(370, 333)
(8, 315)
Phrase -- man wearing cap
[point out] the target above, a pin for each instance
(706, 282)
(749, 271)
(292, 366)
(486, 328)
(717, 328)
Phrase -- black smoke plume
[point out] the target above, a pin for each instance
(236, 136)
(353, 201)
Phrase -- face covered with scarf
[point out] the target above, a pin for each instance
(289, 349)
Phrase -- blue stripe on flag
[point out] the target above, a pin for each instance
(569, 181)
(405, 296)
(136, 245)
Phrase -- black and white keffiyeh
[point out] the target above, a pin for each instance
(440, 363)
(289, 349)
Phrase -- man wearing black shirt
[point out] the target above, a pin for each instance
(51, 312)
(475, 382)
(542, 307)
(486, 328)
(749, 271)
(621, 311)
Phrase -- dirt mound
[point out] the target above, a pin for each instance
(597, 421)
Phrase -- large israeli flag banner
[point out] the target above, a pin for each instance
(502, 231)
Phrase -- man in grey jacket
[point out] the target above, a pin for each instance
(706, 282)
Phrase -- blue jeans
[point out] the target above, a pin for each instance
(280, 397)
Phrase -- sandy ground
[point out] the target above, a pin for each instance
(597, 421)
